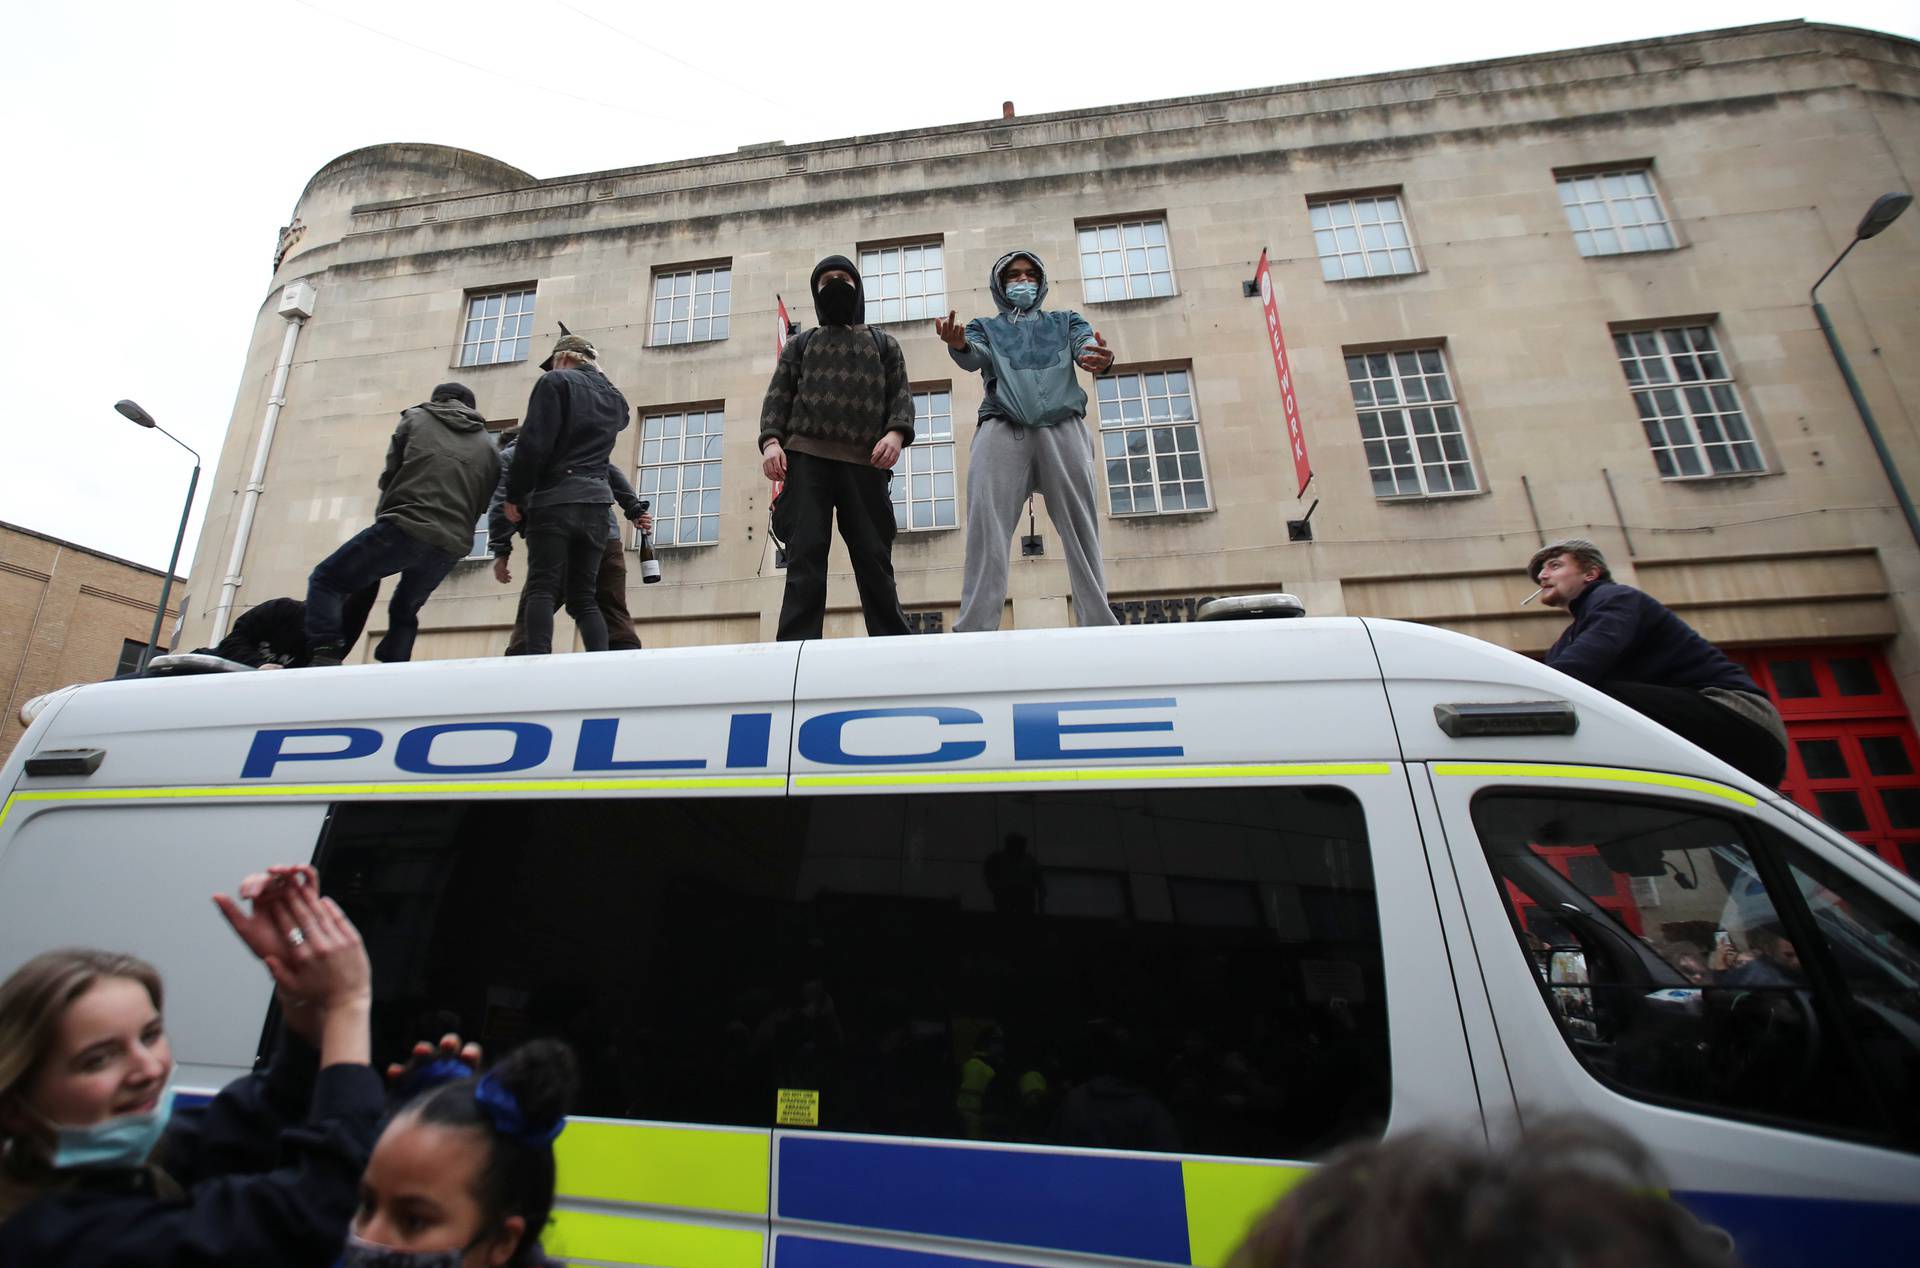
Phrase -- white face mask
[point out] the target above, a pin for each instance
(125, 1141)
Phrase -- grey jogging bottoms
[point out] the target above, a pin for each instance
(1007, 463)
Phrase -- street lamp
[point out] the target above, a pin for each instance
(1885, 210)
(135, 414)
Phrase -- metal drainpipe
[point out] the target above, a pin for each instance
(256, 483)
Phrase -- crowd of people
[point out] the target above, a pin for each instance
(314, 1160)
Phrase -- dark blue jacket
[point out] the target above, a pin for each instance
(271, 1169)
(1620, 634)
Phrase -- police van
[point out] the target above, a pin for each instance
(1058, 947)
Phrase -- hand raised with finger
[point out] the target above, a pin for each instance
(951, 332)
(1096, 356)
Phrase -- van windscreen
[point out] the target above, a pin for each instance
(1190, 969)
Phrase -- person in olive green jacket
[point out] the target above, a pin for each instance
(441, 469)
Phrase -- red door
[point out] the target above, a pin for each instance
(1854, 759)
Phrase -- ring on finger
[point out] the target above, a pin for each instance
(296, 936)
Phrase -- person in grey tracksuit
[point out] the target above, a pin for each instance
(1032, 437)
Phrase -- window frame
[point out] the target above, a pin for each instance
(927, 298)
(531, 291)
(1352, 199)
(711, 409)
(1147, 423)
(1599, 172)
(1120, 224)
(927, 449)
(692, 272)
(1454, 401)
(1679, 387)
(138, 648)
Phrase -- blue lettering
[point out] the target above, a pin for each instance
(820, 738)
(531, 744)
(268, 748)
(595, 751)
(748, 739)
(1037, 729)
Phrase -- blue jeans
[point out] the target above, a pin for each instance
(348, 580)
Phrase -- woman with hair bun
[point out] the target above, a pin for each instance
(463, 1175)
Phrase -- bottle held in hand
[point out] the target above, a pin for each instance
(649, 564)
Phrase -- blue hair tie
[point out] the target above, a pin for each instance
(508, 1118)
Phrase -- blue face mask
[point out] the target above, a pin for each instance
(361, 1253)
(126, 1141)
(1023, 294)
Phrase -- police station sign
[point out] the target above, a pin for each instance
(1296, 438)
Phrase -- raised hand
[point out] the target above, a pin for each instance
(326, 963)
(424, 1054)
(262, 935)
(1095, 356)
(951, 332)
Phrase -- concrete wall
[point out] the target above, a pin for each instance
(1767, 144)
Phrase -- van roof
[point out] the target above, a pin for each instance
(1308, 689)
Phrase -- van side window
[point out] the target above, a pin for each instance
(1679, 975)
(1193, 969)
(1875, 953)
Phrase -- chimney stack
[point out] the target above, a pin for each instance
(1006, 110)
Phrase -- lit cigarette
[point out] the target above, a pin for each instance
(1530, 598)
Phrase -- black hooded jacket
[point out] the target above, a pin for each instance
(837, 390)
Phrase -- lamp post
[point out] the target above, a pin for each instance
(1885, 210)
(135, 414)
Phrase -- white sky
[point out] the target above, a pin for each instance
(155, 148)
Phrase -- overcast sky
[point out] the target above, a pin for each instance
(154, 150)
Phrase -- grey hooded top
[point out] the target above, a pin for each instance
(441, 469)
(1026, 358)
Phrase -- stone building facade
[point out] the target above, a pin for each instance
(67, 615)
(1553, 294)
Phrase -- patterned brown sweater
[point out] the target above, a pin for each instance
(836, 391)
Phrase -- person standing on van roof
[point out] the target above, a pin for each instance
(1626, 643)
(1031, 438)
(836, 416)
(557, 482)
(441, 466)
(610, 584)
(97, 1167)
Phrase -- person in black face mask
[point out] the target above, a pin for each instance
(837, 415)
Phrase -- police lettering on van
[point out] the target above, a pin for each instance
(1041, 733)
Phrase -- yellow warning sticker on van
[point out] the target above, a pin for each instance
(797, 1107)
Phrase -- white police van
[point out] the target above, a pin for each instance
(1039, 947)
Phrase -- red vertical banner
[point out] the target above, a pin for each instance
(1296, 438)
